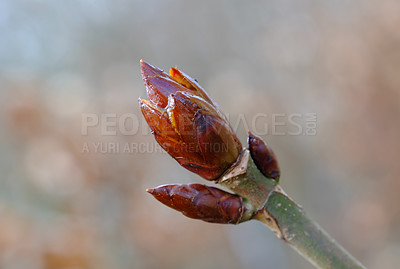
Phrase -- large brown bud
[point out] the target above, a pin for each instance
(187, 123)
(198, 201)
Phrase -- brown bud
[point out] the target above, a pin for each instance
(199, 201)
(187, 123)
(263, 157)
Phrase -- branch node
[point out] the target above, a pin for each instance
(266, 218)
(238, 168)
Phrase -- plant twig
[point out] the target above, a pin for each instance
(185, 122)
(273, 207)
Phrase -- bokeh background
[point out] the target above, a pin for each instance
(64, 207)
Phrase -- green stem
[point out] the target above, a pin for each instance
(272, 206)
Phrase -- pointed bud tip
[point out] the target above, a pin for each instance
(141, 103)
(163, 190)
(251, 136)
(143, 64)
(254, 141)
(149, 70)
(151, 191)
(173, 71)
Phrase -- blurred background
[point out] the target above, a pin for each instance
(70, 198)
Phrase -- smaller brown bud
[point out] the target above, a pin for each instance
(199, 201)
(263, 157)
